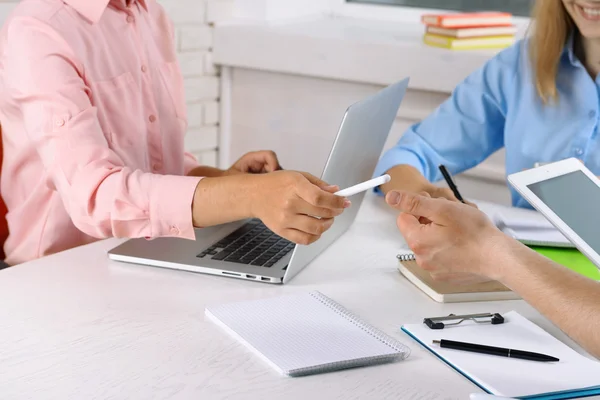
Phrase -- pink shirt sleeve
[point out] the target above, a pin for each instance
(103, 197)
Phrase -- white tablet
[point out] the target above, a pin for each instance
(568, 195)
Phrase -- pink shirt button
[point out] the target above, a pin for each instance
(144, 68)
(60, 122)
(130, 19)
(152, 118)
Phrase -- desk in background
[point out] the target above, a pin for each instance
(78, 326)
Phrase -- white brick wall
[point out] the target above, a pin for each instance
(193, 25)
(193, 31)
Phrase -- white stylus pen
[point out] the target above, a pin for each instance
(361, 187)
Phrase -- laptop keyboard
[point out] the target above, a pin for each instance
(251, 244)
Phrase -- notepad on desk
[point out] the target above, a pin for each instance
(306, 334)
(444, 292)
(538, 237)
(527, 226)
(573, 376)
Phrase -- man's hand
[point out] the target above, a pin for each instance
(258, 162)
(451, 240)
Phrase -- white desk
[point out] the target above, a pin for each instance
(78, 326)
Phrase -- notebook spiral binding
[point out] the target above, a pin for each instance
(406, 257)
(376, 333)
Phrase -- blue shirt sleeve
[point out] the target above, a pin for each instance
(464, 130)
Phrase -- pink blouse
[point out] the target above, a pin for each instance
(93, 119)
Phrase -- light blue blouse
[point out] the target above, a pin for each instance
(498, 106)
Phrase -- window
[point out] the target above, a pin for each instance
(516, 7)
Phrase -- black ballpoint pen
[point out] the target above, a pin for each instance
(494, 351)
(450, 183)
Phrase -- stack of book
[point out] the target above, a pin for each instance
(464, 31)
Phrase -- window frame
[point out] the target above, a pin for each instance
(384, 12)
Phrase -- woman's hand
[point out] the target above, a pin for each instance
(444, 193)
(257, 162)
(408, 179)
(296, 206)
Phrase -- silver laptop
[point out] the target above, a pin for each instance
(249, 250)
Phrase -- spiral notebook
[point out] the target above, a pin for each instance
(444, 292)
(306, 334)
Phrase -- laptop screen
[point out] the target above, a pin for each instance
(575, 199)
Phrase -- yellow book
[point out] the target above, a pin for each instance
(488, 42)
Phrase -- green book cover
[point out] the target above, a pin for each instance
(572, 259)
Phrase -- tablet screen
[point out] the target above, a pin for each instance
(576, 200)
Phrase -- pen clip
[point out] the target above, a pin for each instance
(442, 322)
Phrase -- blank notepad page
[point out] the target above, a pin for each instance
(306, 333)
